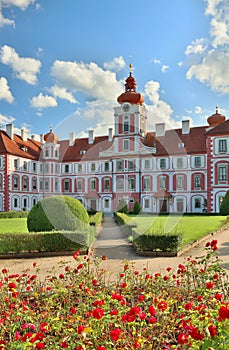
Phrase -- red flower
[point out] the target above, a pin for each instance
(104, 257)
(162, 306)
(152, 310)
(182, 338)
(98, 313)
(141, 297)
(209, 285)
(195, 334)
(44, 327)
(64, 344)
(80, 329)
(34, 264)
(223, 313)
(115, 333)
(76, 254)
(152, 320)
(213, 330)
(4, 271)
(218, 296)
(40, 345)
(188, 306)
(73, 310)
(101, 348)
(61, 276)
(12, 286)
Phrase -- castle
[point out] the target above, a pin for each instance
(178, 170)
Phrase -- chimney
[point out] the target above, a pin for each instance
(24, 134)
(185, 127)
(71, 138)
(110, 134)
(90, 136)
(33, 137)
(160, 129)
(10, 130)
(41, 138)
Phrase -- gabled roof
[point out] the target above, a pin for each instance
(18, 147)
(220, 129)
(82, 149)
(194, 142)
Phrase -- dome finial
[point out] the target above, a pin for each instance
(51, 128)
(217, 109)
(131, 68)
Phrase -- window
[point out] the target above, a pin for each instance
(197, 162)
(106, 203)
(146, 183)
(180, 205)
(79, 185)
(41, 185)
(16, 162)
(147, 204)
(92, 184)
(41, 168)
(179, 163)
(162, 182)
(66, 185)
(131, 200)
(25, 182)
(222, 146)
(56, 185)
(197, 182)
(46, 184)
(180, 182)
(107, 184)
(222, 173)
(0, 182)
(25, 203)
(56, 169)
(1, 162)
(24, 165)
(106, 166)
(93, 167)
(162, 163)
(120, 184)
(131, 165)
(34, 184)
(46, 168)
(120, 165)
(80, 168)
(56, 153)
(197, 203)
(15, 182)
(46, 153)
(66, 168)
(34, 201)
(126, 125)
(147, 164)
(15, 202)
(131, 183)
(34, 167)
(126, 145)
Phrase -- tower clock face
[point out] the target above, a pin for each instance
(126, 107)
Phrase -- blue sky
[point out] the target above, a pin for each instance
(65, 62)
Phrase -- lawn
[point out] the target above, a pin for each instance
(191, 227)
(14, 225)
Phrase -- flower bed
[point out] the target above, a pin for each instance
(185, 308)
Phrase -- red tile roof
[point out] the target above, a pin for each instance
(220, 129)
(194, 142)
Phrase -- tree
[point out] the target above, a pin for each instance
(224, 207)
(122, 207)
(57, 213)
(137, 208)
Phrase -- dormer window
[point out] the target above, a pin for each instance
(46, 153)
(222, 146)
(126, 124)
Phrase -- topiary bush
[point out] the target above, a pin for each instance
(137, 208)
(58, 213)
(224, 207)
(122, 207)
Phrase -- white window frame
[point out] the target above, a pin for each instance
(126, 144)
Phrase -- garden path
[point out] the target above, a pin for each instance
(112, 242)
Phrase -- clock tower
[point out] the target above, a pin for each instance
(130, 116)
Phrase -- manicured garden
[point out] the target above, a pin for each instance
(81, 309)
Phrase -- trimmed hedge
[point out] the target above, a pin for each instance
(13, 214)
(96, 219)
(58, 213)
(46, 241)
(154, 242)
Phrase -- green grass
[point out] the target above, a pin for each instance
(18, 225)
(191, 227)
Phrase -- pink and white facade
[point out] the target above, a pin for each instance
(180, 170)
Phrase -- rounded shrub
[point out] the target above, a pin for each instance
(122, 207)
(137, 208)
(58, 213)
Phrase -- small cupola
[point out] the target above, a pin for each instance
(131, 95)
(216, 119)
(50, 137)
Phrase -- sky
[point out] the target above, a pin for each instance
(64, 63)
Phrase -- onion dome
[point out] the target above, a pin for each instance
(130, 95)
(216, 119)
(50, 137)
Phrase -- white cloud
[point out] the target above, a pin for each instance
(89, 79)
(43, 101)
(197, 46)
(21, 4)
(220, 32)
(24, 68)
(198, 110)
(118, 63)
(6, 119)
(164, 68)
(213, 70)
(62, 93)
(156, 61)
(5, 93)
(5, 21)
(160, 111)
